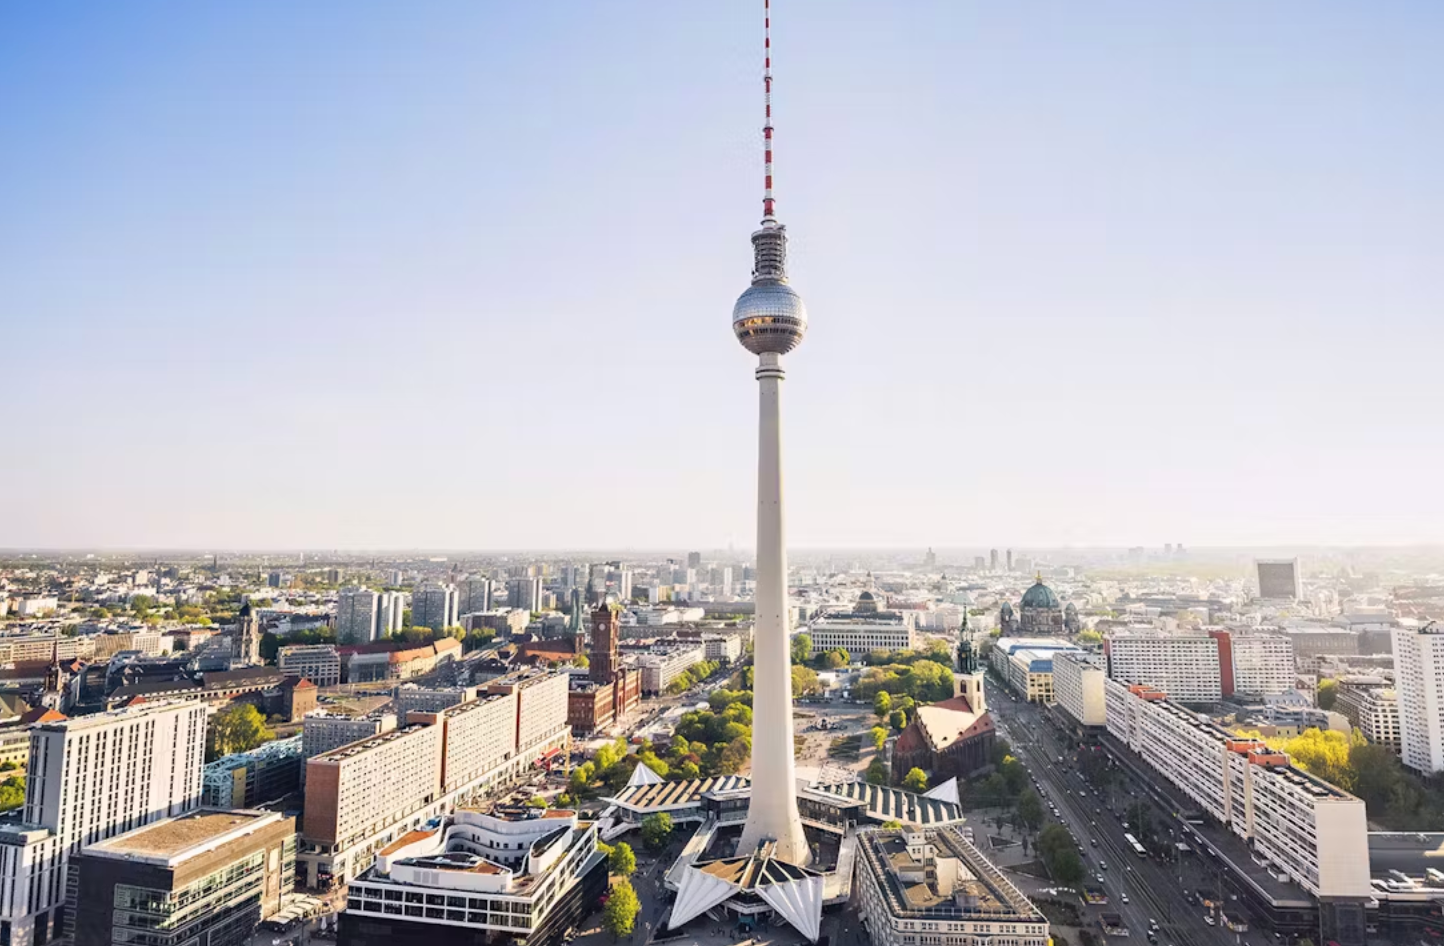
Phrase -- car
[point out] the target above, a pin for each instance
(1152, 938)
(1100, 878)
(1125, 898)
(1208, 918)
(1093, 841)
(1103, 864)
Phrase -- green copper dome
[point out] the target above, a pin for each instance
(1039, 596)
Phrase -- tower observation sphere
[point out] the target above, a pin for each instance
(769, 317)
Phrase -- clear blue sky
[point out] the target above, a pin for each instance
(459, 274)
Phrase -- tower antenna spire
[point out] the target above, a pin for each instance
(768, 217)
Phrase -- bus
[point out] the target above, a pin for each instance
(1133, 843)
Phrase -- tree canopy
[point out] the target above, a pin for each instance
(239, 727)
(619, 916)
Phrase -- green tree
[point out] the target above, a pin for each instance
(688, 770)
(879, 737)
(582, 777)
(1088, 638)
(801, 648)
(657, 830)
(877, 773)
(804, 681)
(834, 659)
(581, 660)
(734, 755)
(619, 916)
(916, 780)
(899, 720)
(1030, 809)
(1328, 693)
(270, 646)
(882, 704)
(12, 793)
(891, 825)
(536, 801)
(239, 727)
(622, 862)
(1013, 774)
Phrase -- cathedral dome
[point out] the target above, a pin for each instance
(1039, 596)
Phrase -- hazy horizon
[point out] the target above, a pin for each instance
(371, 277)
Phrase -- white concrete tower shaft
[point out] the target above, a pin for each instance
(772, 813)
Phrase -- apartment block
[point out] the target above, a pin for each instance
(665, 664)
(541, 705)
(408, 698)
(322, 732)
(1301, 826)
(89, 779)
(357, 611)
(1078, 687)
(1263, 665)
(477, 739)
(1419, 683)
(1188, 667)
(434, 606)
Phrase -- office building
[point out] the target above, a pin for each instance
(1078, 687)
(1419, 683)
(267, 773)
(510, 873)
(931, 886)
(90, 779)
(477, 737)
(1298, 825)
(205, 877)
(665, 663)
(1279, 579)
(1311, 644)
(868, 626)
(694, 559)
(1379, 717)
(434, 606)
(1026, 664)
(319, 663)
(357, 612)
(524, 594)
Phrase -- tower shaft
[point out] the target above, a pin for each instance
(772, 813)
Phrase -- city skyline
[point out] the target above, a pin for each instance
(244, 248)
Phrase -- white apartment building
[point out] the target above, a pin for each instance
(1303, 827)
(374, 792)
(1419, 684)
(931, 887)
(1078, 687)
(33, 648)
(473, 595)
(390, 609)
(1379, 717)
(89, 779)
(357, 611)
(319, 663)
(1185, 666)
(31, 607)
(1263, 665)
(661, 667)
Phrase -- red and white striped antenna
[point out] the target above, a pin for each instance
(767, 201)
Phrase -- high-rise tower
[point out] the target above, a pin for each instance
(769, 320)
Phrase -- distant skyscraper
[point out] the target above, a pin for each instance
(1010, 560)
(1419, 683)
(993, 559)
(770, 320)
(1279, 578)
(930, 560)
(434, 606)
(356, 615)
(694, 559)
(524, 593)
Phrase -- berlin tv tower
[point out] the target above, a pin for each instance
(769, 320)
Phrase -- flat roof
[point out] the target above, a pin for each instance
(175, 840)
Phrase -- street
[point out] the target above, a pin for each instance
(1155, 890)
